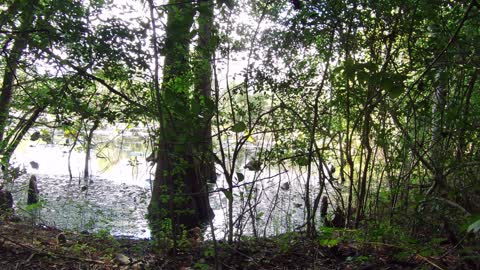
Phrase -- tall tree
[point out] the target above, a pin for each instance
(20, 42)
(179, 191)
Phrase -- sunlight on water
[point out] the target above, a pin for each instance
(117, 195)
(119, 166)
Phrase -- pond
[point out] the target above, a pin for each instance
(116, 197)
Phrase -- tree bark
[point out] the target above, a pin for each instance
(179, 192)
(11, 67)
(437, 154)
(88, 149)
(203, 85)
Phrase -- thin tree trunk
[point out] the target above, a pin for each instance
(465, 115)
(12, 62)
(366, 146)
(22, 129)
(439, 101)
(88, 148)
(70, 154)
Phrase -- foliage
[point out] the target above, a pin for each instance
(373, 104)
(474, 227)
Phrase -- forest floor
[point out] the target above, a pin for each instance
(23, 246)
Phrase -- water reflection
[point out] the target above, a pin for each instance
(101, 204)
(120, 160)
(268, 202)
(116, 198)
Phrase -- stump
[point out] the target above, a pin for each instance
(338, 220)
(6, 202)
(324, 207)
(32, 197)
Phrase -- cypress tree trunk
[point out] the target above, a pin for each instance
(205, 48)
(179, 193)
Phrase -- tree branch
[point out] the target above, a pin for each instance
(83, 72)
(452, 39)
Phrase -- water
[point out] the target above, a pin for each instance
(276, 202)
(117, 196)
(103, 205)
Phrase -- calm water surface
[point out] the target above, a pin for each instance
(117, 195)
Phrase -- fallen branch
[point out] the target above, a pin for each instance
(408, 249)
(49, 254)
(430, 262)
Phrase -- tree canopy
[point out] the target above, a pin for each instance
(375, 103)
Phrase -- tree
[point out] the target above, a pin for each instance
(389, 107)
(37, 80)
(12, 61)
(184, 163)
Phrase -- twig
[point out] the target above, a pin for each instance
(31, 257)
(244, 255)
(452, 38)
(430, 262)
(42, 253)
(86, 74)
(408, 249)
(454, 204)
(234, 186)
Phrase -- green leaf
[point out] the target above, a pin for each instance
(329, 242)
(387, 84)
(240, 177)
(239, 127)
(363, 77)
(395, 92)
(349, 72)
(209, 105)
(196, 108)
(474, 227)
(228, 194)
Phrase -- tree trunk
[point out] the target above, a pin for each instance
(437, 154)
(12, 62)
(179, 193)
(88, 148)
(203, 85)
(13, 140)
(362, 185)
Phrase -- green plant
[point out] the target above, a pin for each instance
(209, 252)
(82, 248)
(474, 227)
(104, 233)
(183, 241)
(201, 266)
(285, 241)
(162, 240)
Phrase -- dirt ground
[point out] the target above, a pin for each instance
(23, 246)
